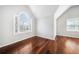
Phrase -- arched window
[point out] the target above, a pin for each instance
(22, 23)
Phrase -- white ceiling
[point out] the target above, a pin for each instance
(43, 10)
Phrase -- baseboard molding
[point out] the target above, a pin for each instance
(15, 41)
(24, 39)
(67, 36)
(43, 36)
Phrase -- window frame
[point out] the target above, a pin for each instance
(17, 20)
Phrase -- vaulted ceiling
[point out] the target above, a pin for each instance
(41, 11)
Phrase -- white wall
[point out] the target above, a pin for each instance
(7, 14)
(45, 19)
(73, 12)
(45, 27)
(61, 9)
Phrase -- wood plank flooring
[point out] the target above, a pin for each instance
(67, 45)
(34, 45)
(38, 45)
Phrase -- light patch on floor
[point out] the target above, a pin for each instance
(26, 49)
(71, 47)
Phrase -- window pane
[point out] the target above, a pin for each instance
(73, 24)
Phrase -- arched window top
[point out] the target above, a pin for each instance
(23, 15)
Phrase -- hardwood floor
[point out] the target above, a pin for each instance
(67, 45)
(34, 45)
(38, 45)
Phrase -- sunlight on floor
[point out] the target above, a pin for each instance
(26, 49)
(71, 47)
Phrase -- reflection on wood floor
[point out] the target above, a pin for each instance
(34, 45)
(38, 45)
(67, 45)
